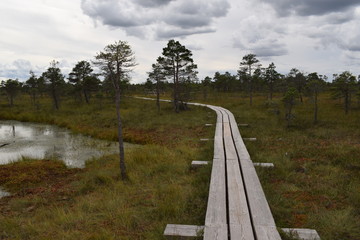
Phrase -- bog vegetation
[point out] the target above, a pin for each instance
(305, 123)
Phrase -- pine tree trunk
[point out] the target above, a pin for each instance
(251, 93)
(120, 135)
(56, 101)
(11, 100)
(157, 96)
(176, 89)
(86, 96)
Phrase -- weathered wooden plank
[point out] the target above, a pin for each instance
(218, 141)
(303, 233)
(183, 230)
(267, 165)
(230, 150)
(216, 208)
(206, 139)
(250, 139)
(196, 164)
(216, 213)
(219, 232)
(267, 233)
(239, 217)
(263, 220)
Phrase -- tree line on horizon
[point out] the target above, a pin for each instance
(175, 71)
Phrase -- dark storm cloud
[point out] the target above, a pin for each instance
(176, 17)
(310, 7)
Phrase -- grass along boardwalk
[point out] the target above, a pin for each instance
(237, 206)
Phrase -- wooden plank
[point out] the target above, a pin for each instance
(229, 143)
(216, 214)
(218, 141)
(263, 220)
(183, 230)
(205, 139)
(239, 217)
(250, 139)
(303, 233)
(216, 208)
(196, 164)
(266, 165)
(219, 232)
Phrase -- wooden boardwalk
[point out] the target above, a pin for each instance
(237, 208)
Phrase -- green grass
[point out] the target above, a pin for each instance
(93, 203)
(315, 183)
(316, 180)
(97, 205)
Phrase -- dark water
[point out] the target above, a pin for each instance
(39, 141)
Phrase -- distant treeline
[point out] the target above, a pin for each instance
(83, 84)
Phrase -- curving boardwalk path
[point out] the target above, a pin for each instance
(237, 207)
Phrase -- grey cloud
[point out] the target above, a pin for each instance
(261, 35)
(187, 21)
(310, 7)
(217, 8)
(346, 35)
(270, 51)
(264, 48)
(153, 3)
(115, 13)
(351, 44)
(176, 17)
(138, 32)
(190, 14)
(163, 34)
(340, 18)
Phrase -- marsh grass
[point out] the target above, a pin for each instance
(93, 203)
(315, 183)
(316, 180)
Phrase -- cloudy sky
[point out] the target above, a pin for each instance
(311, 35)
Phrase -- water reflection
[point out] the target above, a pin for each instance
(40, 141)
